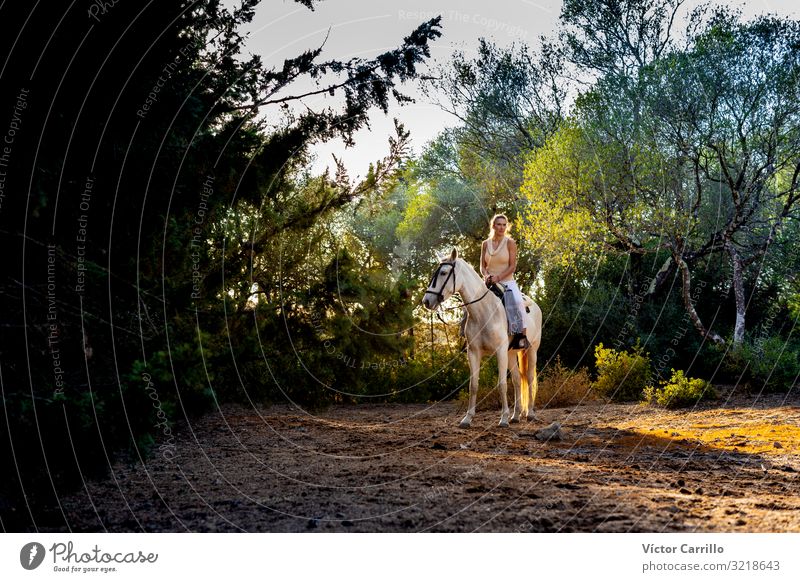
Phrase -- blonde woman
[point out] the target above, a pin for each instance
(498, 263)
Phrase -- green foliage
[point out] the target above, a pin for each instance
(182, 372)
(767, 363)
(679, 391)
(579, 304)
(237, 275)
(559, 184)
(775, 365)
(622, 375)
(510, 102)
(438, 190)
(419, 380)
(617, 37)
(204, 260)
(667, 136)
(794, 305)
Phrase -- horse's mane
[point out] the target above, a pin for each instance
(470, 268)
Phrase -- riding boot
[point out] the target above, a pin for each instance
(519, 342)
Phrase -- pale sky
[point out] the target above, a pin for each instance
(284, 29)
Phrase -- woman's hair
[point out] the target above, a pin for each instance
(491, 224)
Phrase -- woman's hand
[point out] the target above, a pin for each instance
(488, 279)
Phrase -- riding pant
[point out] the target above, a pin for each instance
(515, 307)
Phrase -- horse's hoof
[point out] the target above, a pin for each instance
(531, 418)
(503, 423)
(514, 420)
(464, 424)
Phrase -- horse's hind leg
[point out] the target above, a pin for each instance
(474, 357)
(515, 381)
(533, 384)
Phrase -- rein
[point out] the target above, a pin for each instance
(440, 294)
(465, 304)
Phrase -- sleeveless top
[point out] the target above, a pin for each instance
(497, 260)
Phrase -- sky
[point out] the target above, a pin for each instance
(283, 29)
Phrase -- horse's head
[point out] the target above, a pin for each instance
(443, 282)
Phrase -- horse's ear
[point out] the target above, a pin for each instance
(454, 255)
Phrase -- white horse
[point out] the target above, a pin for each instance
(486, 331)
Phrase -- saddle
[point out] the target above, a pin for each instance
(500, 290)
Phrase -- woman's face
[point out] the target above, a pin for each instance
(500, 226)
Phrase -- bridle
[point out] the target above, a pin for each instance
(452, 273)
(440, 293)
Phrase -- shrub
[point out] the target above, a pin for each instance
(418, 381)
(767, 364)
(622, 375)
(680, 391)
(561, 386)
(774, 365)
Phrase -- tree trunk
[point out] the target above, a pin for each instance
(688, 303)
(662, 275)
(738, 292)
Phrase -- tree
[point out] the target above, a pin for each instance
(508, 100)
(734, 115)
(700, 159)
(617, 38)
(155, 169)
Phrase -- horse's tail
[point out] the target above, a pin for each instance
(522, 359)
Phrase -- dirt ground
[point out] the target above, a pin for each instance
(408, 468)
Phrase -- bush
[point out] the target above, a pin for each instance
(561, 386)
(622, 375)
(774, 365)
(680, 391)
(418, 381)
(767, 364)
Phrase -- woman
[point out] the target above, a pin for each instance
(498, 263)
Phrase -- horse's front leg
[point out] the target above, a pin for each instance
(502, 386)
(474, 357)
(516, 382)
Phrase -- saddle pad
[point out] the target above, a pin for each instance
(499, 290)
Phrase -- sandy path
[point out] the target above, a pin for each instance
(406, 468)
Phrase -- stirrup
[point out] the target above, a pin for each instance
(519, 342)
